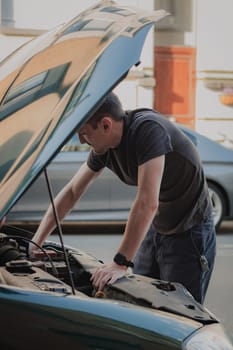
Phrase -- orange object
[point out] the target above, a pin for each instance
(175, 90)
(100, 294)
(226, 100)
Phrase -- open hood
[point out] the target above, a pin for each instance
(52, 85)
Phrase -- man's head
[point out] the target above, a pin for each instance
(111, 106)
(104, 129)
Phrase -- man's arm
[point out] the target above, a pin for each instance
(140, 218)
(64, 202)
(144, 207)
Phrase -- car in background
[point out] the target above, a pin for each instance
(217, 161)
(109, 199)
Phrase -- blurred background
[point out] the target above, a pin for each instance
(187, 67)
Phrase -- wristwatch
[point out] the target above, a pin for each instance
(121, 260)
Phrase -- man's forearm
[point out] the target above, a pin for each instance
(144, 207)
(63, 203)
(46, 226)
(140, 219)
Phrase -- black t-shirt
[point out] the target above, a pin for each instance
(183, 200)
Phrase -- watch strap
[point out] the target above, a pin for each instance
(121, 260)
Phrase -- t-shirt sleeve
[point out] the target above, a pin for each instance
(96, 162)
(152, 141)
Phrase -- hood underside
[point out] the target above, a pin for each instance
(52, 85)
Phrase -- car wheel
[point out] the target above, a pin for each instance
(218, 203)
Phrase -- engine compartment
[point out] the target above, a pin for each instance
(48, 272)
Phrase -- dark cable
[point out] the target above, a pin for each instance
(38, 246)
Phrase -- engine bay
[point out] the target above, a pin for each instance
(48, 272)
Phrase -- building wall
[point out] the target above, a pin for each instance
(207, 27)
(214, 67)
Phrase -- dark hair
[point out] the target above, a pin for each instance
(111, 105)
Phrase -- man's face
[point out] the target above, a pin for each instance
(97, 138)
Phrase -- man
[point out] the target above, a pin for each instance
(170, 232)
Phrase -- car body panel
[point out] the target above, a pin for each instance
(67, 323)
(210, 150)
(56, 315)
(53, 89)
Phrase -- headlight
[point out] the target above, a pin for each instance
(212, 337)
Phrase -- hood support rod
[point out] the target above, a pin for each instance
(59, 230)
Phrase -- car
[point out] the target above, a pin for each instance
(217, 162)
(48, 91)
(109, 199)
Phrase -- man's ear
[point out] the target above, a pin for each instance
(106, 123)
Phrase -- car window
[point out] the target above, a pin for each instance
(74, 145)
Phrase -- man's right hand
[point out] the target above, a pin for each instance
(32, 249)
(107, 274)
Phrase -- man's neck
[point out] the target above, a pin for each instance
(117, 133)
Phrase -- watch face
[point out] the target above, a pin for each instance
(120, 259)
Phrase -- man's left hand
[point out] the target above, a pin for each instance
(107, 274)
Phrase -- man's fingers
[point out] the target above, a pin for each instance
(106, 274)
(100, 278)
